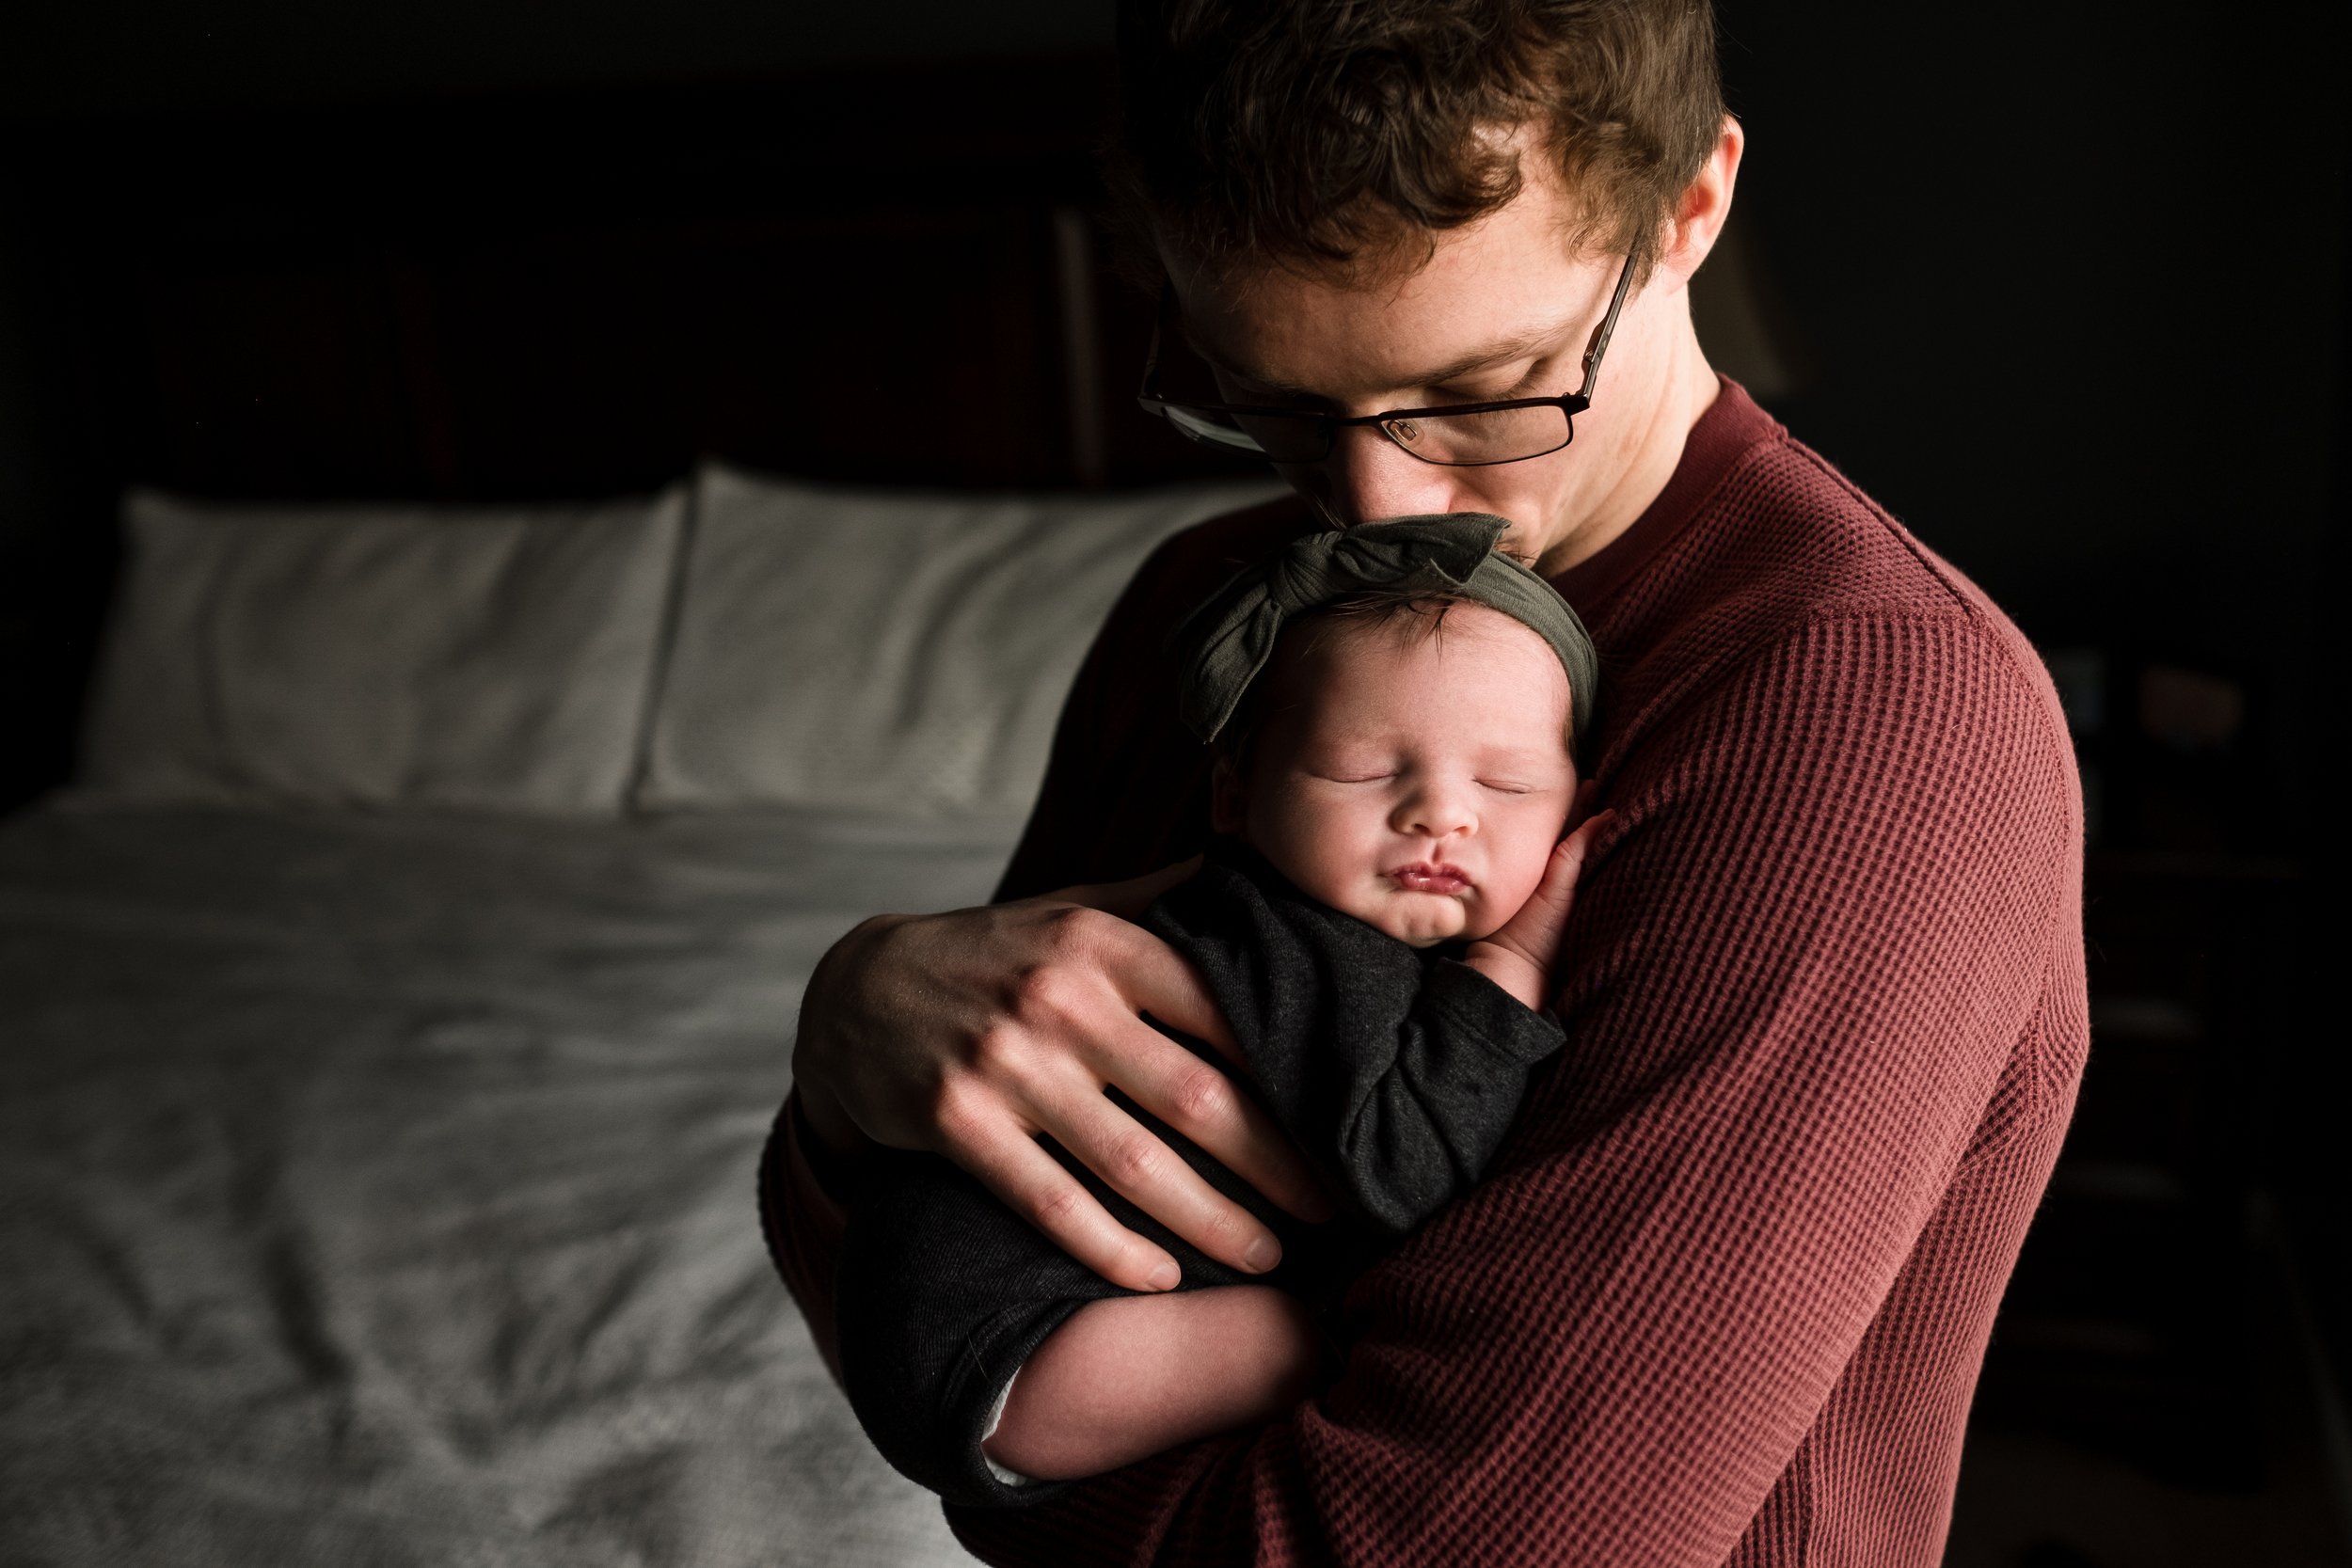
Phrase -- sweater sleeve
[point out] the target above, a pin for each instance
(1802, 963)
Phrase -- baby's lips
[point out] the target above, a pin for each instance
(1424, 877)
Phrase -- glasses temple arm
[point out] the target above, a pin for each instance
(1599, 345)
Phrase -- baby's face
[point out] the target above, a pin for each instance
(1415, 781)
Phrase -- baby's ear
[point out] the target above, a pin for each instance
(1228, 799)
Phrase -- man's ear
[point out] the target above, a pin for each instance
(1228, 798)
(1705, 203)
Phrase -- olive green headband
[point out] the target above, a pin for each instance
(1221, 646)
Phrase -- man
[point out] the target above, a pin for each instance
(1724, 1292)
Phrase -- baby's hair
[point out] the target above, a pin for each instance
(1418, 613)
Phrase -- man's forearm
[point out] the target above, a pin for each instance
(1133, 1376)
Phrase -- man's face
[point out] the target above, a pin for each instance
(1502, 310)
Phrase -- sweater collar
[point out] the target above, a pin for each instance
(1730, 426)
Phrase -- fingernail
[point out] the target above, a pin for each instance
(1166, 1275)
(1264, 1253)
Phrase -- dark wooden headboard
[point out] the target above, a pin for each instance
(892, 276)
(897, 279)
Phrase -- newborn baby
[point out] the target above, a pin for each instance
(1395, 712)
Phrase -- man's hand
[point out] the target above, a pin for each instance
(1519, 957)
(969, 1034)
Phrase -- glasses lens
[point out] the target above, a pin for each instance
(1276, 436)
(1208, 426)
(1498, 435)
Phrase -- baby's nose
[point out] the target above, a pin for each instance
(1434, 813)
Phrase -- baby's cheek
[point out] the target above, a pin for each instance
(1316, 858)
(1509, 888)
(1491, 915)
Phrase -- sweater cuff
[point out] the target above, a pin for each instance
(831, 1172)
(803, 1223)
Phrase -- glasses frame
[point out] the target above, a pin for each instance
(1571, 405)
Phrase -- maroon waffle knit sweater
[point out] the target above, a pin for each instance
(1723, 1295)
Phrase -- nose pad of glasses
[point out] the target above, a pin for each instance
(1405, 433)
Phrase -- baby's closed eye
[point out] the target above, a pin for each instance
(1351, 772)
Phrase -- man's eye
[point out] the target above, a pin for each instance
(1351, 776)
(1474, 395)
(1506, 787)
(1499, 389)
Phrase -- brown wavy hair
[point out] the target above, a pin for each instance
(1338, 135)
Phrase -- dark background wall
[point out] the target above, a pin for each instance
(2073, 276)
(115, 55)
(2062, 285)
(2069, 281)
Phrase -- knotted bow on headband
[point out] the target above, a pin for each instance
(1221, 646)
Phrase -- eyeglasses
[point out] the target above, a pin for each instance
(1455, 434)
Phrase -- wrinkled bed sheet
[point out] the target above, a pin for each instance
(380, 1190)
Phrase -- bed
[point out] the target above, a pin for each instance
(393, 1009)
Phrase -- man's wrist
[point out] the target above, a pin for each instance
(828, 1123)
(835, 978)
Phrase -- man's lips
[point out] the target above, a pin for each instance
(1421, 876)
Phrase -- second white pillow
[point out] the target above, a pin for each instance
(903, 654)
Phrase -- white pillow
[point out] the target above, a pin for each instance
(382, 655)
(895, 653)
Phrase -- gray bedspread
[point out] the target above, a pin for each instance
(380, 1190)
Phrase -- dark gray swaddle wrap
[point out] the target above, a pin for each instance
(1396, 1068)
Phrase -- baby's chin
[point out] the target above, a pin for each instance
(1415, 919)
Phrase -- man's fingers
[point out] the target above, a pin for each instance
(1214, 1110)
(1033, 1184)
(1161, 983)
(1155, 1179)
(1182, 1091)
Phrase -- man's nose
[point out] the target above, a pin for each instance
(1368, 477)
